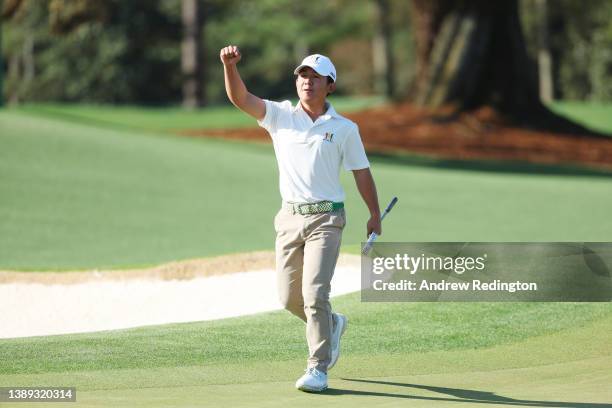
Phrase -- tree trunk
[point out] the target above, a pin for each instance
(29, 66)
(471, 53)
(191, 54)
(1, 59)
(15, 75)
(8, 8)
(301, 47)
(384, 75)
(544, 54)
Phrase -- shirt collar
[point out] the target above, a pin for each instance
(329, 113)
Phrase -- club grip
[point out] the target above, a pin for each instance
(372, 237)
(368, 245)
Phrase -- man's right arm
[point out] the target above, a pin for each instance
(235, 88)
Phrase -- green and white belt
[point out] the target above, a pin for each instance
(312, 208)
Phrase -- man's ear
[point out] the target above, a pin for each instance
(331, 87)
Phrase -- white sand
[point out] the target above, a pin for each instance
(37, 309)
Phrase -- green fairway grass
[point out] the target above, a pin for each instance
(596, 116)
(479, 346)
(138, 118)
(547, 386)
(77, 191)
(79, 196)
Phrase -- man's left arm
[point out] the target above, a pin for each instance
(367, 189)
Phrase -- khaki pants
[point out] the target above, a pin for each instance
(307, 248)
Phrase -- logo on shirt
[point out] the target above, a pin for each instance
(328, 137)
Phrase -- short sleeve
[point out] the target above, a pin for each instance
(353, 152)
(274, 113)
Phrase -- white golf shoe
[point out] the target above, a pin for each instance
(312, 381)
(339, 328)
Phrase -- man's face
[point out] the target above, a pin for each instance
(312, 87)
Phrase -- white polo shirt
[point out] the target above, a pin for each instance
(310, 154)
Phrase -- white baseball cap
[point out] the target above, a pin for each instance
(320, 63)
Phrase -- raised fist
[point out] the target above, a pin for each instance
(230, 55)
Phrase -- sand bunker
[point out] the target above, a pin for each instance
(47, 303)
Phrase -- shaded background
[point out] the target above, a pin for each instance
(113, 51)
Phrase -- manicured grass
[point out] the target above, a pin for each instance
(78, 196)
(376, 329)
(138, 118)
(264, 353)
(581, 384)
(596, 116)
(74, 195)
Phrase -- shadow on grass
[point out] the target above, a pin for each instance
(459, 395)
(510, 167)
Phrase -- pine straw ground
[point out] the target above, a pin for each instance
(480, 134)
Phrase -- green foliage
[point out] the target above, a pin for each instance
(132, 54)
(116, 60)
(600, 70)
(585, 59)
(581, 46)
(274, 35)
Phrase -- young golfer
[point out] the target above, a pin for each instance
(312, 142)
